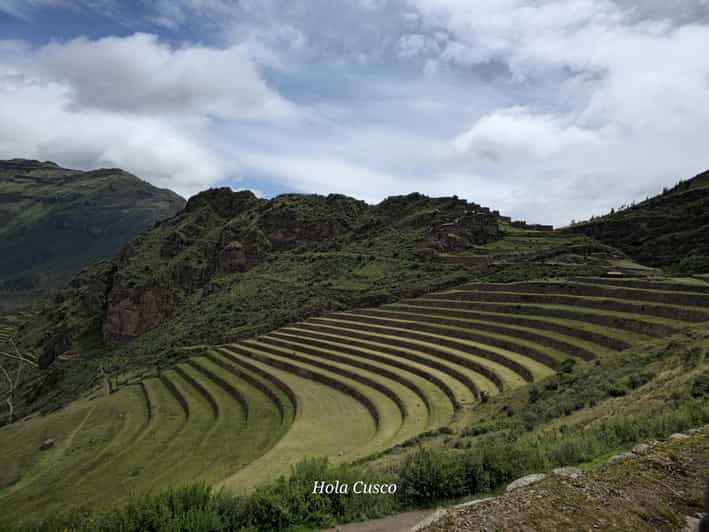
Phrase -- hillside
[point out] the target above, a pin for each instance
(428, 340)
(657, 490)
(55, 221)
(450, 370)
(231, 266)
(669, 231)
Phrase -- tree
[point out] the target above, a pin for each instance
(14, 383)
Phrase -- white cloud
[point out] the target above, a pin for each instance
(515, 135)
(35, 122)
(138, 74)
(627, 110)
(133, 103)
(549, 110)
(415, 45)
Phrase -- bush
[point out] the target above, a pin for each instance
(700, 386)
(694, 264)
(426, 477)
(567, 366)
(616, 391)
(192, 508)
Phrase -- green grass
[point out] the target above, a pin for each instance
(483, 382)
(415, 414)
(363, 385)
(463, 392)
(571, 418)
(573, 310)
(40, 482)
(320, 409)
(486, 316)
(656, 309)
(235, 443)
(507, 375)
(391, 419)
(111, 447)
(439, 408)
(564, 344)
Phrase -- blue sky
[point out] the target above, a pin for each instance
(548, 110)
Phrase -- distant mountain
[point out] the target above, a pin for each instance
(54, 221)
(669, 231)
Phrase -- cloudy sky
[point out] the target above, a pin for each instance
(548, 110)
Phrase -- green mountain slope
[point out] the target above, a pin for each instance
(670, 230)
(496, 380)
(55, 221)
(232, 264)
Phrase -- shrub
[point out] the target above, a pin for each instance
(700, 386)
(534, 394)
(567, 366)
(427, 476)
(616, 391)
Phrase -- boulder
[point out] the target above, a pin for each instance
(233, 258)
(642, 448)
(678, 436)
(525, 481)
(620, 457)
(46, 444)
(570, 472)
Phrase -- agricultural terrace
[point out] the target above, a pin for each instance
(346, 385)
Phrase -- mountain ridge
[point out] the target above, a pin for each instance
(54, 221)
(670, 230)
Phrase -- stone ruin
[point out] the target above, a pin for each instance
(473, 227)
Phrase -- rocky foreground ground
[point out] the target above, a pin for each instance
(658, 487)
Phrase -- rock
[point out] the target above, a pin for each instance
(620, 457)
(570, 472)
(691, 524)
(694, 431)
(46, 444)
(435, 516)
(642, 448)
(132, 312)
(678, 436)
(472, 503)
(233, 258)
(525, 481)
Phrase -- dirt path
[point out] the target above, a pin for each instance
(394, 523)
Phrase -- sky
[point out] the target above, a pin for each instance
(548, 110)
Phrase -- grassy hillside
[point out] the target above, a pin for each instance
(669, 231)
(232, 265)
(424, 339)
(481, 367)
(55, 221)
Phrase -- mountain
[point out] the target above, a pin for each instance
(669, 231)
(429, 342)
(230, 264)
(54, 221)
